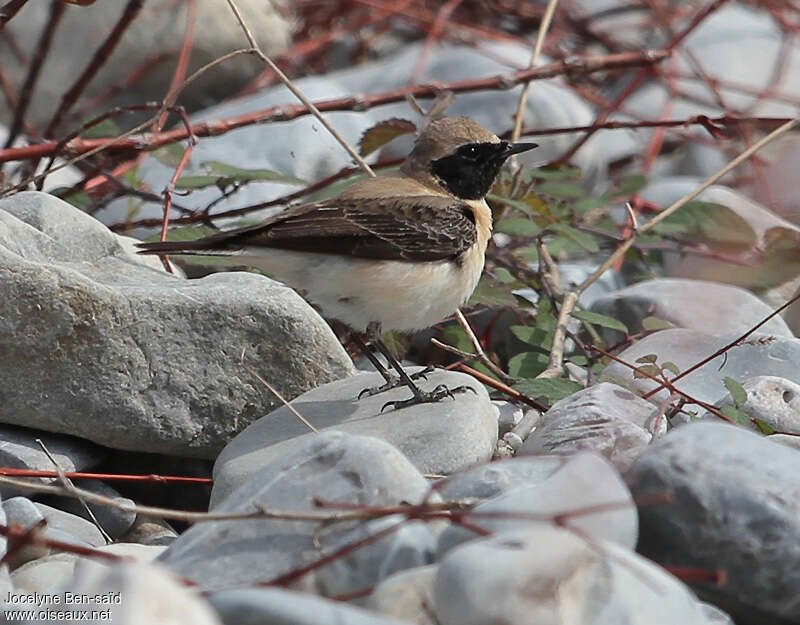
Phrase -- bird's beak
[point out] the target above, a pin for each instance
(516, 148)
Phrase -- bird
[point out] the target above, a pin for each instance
(397, 252)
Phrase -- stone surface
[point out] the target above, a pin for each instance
(438, 438)
(550, 576)
(19, 450)
(735, 508)
(774, 400)
(156, 33)
(407, 596)
(150, 531)
(694, 304)
(45, 575)
(84, 531)
(140, 593)
(334, 466)
(114, 521)
(259, 606)
(584, 482)
(772, 356)
(140, 553)
(23, 512)
(604, 418)
(99, 345)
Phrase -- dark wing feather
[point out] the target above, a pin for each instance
(422, 228)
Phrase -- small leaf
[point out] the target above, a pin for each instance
(736, 415)
(504, 275)
(382, 133)
(765, 427)
(527, 365)
(646, 372)
(170, 155)
(533, 336)
(600, 320)
(196, 182)
(670, 366)
(652, 324)
(628, 186)
(585, 240)
(223, 170)
(737, 392)
(396, 342)
(578, 359)
(562, 190)
(491, 293)
(562, 173)
(552, 389)
(647, 358)
(518, 227)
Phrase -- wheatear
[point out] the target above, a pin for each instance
(389, 253)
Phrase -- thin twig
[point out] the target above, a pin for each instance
(280, 397)
(183, 61)
(9, 10)
(299, 94)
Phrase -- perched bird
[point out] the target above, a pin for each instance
(389, 253)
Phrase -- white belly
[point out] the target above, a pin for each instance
(398, 295)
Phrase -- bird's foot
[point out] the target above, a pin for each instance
(428, 397)
(395, 382)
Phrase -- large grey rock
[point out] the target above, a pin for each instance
(46, 574)
(773, 400)
(332, 466)
(694, 304)
(99, 345)
(19, 450)
(114, 521)
(150, 531)
(774, 356)
(549, 576)
(157, 32)
(586, 494)
(407, 596)
(72, 525)
(734, 507)
(604, 418)
(276, 606)
(438, 438)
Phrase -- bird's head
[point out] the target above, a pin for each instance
(461, 156)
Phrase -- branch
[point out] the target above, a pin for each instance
(9, 10)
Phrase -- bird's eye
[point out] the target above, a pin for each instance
(470, 152)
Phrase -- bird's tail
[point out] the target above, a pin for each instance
(201, 247)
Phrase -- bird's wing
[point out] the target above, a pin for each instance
(419, 228)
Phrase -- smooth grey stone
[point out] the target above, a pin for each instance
(437, 438)
(19, 449)
(694, 304)
(604, 418)
(508, 415)
(150, 531)
(547, 575)
(115, 521)
(139, 593)
(734, 507)
(132, 357)
(333, 466)
(158, 30)
(23, 512)
(276, 606)
(774, 400)
(45, 575)
(715, 615)
(776, 356)
(140, 553)
(490, 479)
(59, 521)
(586, 484)
(407, 596)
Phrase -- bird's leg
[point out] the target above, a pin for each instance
(392, 381)
(420, 396)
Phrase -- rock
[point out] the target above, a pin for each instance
(130, 593)
(508, 415)
(439, 438)
(150, 531)
(71, 525)
(774, 356)
(99, 345)
(335, 466)
(258, 606)
(715, 616)
(115, 521)
(19, 450)
(735, 508)
(584, 482)
(693, 304)
(407, 596)
(573, 274)
(604, 418)
(44, 575)
(23, 512)
(776, 401)
(156, 33)
(546, 575)
(139, 553)
(487, 480)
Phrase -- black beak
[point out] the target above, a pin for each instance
(516, 148)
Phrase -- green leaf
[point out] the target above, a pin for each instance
(578, 359)
(552, 389)
(527, 364)
(561, 173)
(629, 185)
(517, 227)
(530, 205)
(670, 366)
(106, 128)
(545, 319)
(737, 392)
(765, 427)
(712, 222)
(196, 182)
(537, 337)
(585, 240)
(562, 190)
(170, 155)
(504, 275)
(600, 320)
(239, 174)
(492, 294)
(646, 372)
(647, 358)
(383, 132)
(736, 415)
(396, 342)
(652, 324)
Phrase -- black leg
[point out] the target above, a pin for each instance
(367, 351)
(392, 381)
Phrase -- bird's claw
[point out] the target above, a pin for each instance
(396, 382)
(430, 397)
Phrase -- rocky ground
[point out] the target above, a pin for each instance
(601, 510)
